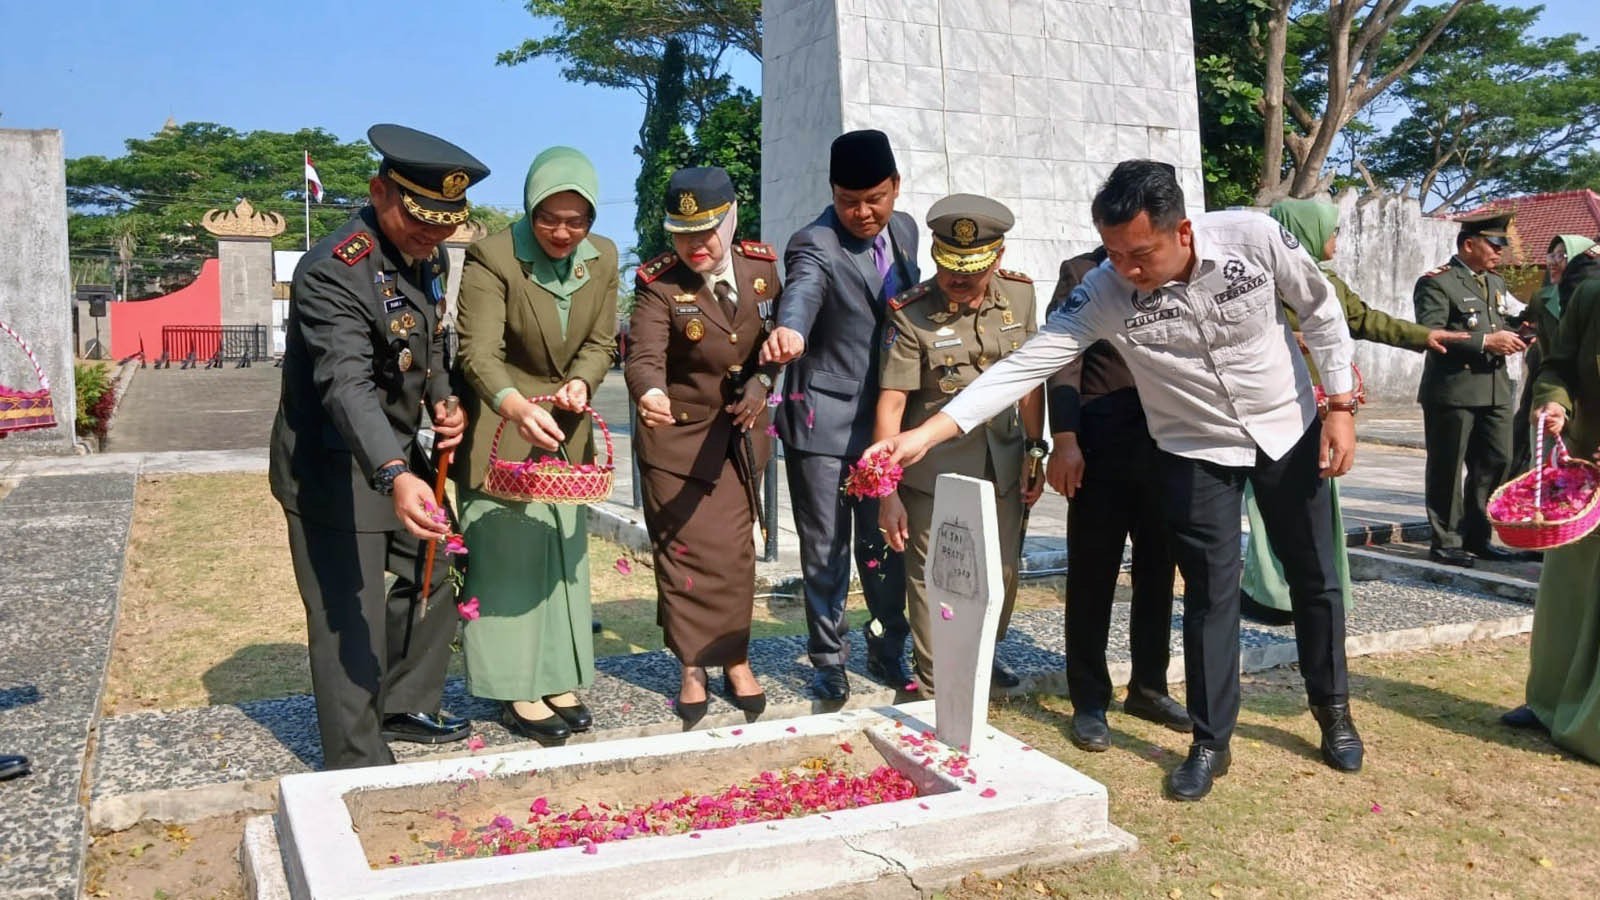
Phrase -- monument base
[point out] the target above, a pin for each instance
(997, 808)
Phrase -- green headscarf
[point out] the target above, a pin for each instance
(553, 171)
(1576, 245)
(1311, 222)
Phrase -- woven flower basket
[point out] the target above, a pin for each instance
(550, 480)
(1543, 527)
(22, 410)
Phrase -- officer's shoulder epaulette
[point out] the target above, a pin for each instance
(1012, 275)
(354, 248)
(915, 292)
(757, 250)
(1436, 271)
(653, 269)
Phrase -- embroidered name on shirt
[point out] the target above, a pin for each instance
(688, 310)
(1011, 326)
(1150, 318)
(952, 342)
(1241, 288)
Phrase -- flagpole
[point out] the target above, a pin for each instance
(305, 157)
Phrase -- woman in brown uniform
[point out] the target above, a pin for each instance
(699, 317)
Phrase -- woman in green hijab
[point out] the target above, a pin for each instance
(1544, 312)
(538, 316)
(1264, 595)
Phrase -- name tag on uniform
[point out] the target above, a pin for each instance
(390, 306)
(1150, 318)
(952, 342)
(688, 310)
(1011, 326)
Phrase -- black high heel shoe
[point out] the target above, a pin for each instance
(754, 704)
(690, 713)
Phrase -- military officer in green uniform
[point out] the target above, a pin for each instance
(1466, 396)
(364, 355)
(942, 333)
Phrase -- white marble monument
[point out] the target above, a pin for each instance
(965, 591)
(1030, 102)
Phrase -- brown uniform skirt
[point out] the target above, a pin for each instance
(705, 563)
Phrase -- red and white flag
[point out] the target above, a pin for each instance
(313, 183)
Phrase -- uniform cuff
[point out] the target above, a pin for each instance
(1338, 381)
(500, 397)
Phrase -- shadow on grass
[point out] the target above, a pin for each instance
(292, 720)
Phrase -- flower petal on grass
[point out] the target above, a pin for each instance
(623, 566)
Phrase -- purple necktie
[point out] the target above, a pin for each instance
(881, 259)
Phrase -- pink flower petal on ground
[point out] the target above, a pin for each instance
(591, 849)
(627, 707)
(469, 609)
(946, 613)
(1377, 808)
(737, 731)
(475, 742)
(872, 564)
(845, 746)
(986, 793)
(792, 730)
(695, 835)
(394, 858)
(623, 566)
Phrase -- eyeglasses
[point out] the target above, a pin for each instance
(1556, 258)
(550, 222)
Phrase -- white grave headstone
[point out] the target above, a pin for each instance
(965, 590)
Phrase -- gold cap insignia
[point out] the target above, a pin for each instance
(687, 205)
(455, 184)
(964, 230)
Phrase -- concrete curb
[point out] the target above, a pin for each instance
(1368, 565)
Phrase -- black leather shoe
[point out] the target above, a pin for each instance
(1451, 556)
(1089, 731)
(1191, 780)
(550, 729)
(830, 683)
(595, 627)
(425, 728)
(754, 704)
(690, 713)
(14, 767)
(1491, 553)
(577, 716)
(1522, 717)
(1341, 745)
(1001, 676)
(1160, 709)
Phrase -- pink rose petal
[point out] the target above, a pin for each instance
(475, 742)
(623, 566)
(469, 609)
(986, 793)
(946, 613)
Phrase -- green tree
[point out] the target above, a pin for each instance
(624, 44)
(1492, 110)
(143, 210)
(1228, 73)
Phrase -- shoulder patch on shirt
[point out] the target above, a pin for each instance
(757, 250)
(352, 249)
(890, 335)
(1012, 275)
(653, 269)
(916, 292)
(1078, 299)
(1289, 240)
(1436, 271)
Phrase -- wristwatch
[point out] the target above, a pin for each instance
(383, 479)
(766, 380)
(1350, 406)
(1037, 448)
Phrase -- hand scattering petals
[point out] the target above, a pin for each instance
(873, 476)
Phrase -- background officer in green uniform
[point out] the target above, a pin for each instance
(1466, 396)
(364, 353)
(941, 335)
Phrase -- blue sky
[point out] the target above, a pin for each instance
(103, 71)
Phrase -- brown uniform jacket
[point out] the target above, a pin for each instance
(511, 337)
(932, 351)
(683, 344)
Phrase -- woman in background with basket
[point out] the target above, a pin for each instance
(1563, 692)
(538, 319)
(700, 315)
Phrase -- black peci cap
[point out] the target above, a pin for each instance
(861, 159)
(433, 174)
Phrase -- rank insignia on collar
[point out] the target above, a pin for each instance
(757, 250)
(940, 317)
(653, 269)
(353, 248)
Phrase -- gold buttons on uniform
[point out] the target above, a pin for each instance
(733, 338)
(683, 417)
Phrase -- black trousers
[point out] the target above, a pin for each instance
(1202, 508)
(371, 653)
(1118, 500)
(1480, 437)
(823, 518)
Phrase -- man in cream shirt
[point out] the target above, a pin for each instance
(1193, 307)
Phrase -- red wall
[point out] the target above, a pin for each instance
(198, 304)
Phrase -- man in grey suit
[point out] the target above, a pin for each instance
(840, 272)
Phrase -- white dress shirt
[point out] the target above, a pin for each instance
(1217, 368)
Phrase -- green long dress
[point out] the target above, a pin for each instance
(1312, 223)
(1564, 655)
(528, 563)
